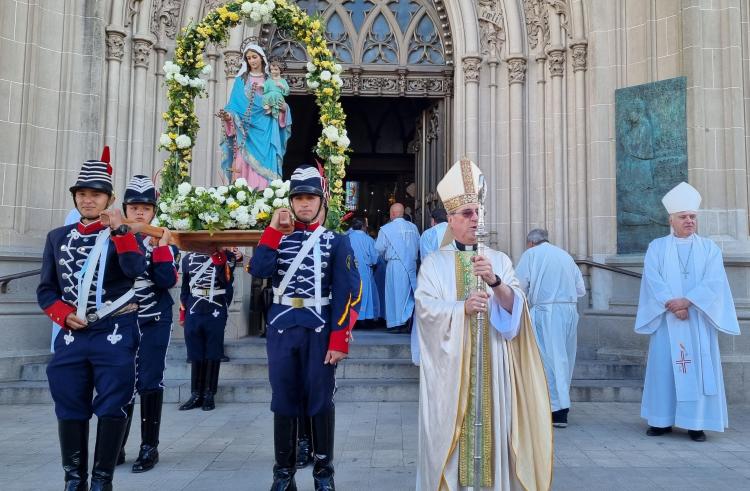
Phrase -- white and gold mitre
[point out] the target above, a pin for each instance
(682, 197)
(460, 185)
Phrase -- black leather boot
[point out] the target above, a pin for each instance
(74, 447)
(304, 443)
(109, 435)
(285, 447)
(151, 403)
(322, 436)
(129, 412)
(197, 383)
(212, 384)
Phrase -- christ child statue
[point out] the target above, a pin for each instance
(275, 89)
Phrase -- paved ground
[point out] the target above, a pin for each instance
(231, 449)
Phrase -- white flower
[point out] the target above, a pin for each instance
(241, 182)
(287, 185)
(313, 84)
(268, 193)
(206, 70)
(182, 79)
(165, 140)
(278, 202)
(184, 188)
(169, 76)
(311, 67)
(325, 75)
(230, 200)
(222, 190)
(277, 183)
(171, 67)
(246, 7)
(200, 190)
(183, 141)
(270, 4)
(256, 16)
(344, 141)
(181, 224)
(337, 159)
(331, 132)
(336, 79)
(164, 207)
(280, 193)
(241, 196)
(285, 202)
(337, 68)
(262, 206)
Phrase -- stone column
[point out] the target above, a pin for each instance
(471, 67)
(211, 142)
(556, 57)
(115, 50)
(160, 102)
(142, 46)
(516, 80)
(232, 64)
(578, 55)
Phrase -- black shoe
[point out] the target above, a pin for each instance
(304, 444)
(109, 434)
(322, 436)
(697, 435)
(129, 412)
(212, 384)
(285, 447)
(197, 384)
(148, 457)
(74, 447)
(560, 418)
(656, 431)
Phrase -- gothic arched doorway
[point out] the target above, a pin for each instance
(397, 85)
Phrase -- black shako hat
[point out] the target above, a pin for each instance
(306, 179)
(95, 174)
(140, 190)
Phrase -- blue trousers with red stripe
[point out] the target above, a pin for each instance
(152, 353)
(100, 357)
(301, 385)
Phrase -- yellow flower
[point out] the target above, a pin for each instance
(328, 91)
(234, 17)
(315, 25)
(262, 215)
(234, 205)
(172, 135)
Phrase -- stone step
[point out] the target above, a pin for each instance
(349, 390)
(257, 369)
(608, 369)
(603, 390)
(394, 346)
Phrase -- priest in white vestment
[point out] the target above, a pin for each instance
(684, 303)
(552, 282)
(516, 431)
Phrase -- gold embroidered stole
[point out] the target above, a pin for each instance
(465, 284)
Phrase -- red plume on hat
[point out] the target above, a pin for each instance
(105, 159)
(323, 181)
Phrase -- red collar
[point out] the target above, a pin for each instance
(91, 228)
(305, 226)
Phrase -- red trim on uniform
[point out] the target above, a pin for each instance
(271, 238)
(90, 228)
(126, 243)
(182, 313)
(339, 340)
(305, 226)
(162, 254)
(353, 316)
(219, 258)
(59, 311)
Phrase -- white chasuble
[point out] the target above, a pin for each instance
(684, 383)
(521, 453)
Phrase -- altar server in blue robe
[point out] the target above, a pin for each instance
(684, 303)
(367, 257)
(398, 243)
(154, 318)
(86, 286)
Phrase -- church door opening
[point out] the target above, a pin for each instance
(399, 150)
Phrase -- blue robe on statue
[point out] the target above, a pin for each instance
(259, 137)
(367, 257)
(398, 243)
(684, 382)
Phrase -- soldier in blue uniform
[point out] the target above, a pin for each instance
(86, 286)
(205, 298)
(154, 318)
(312, 271)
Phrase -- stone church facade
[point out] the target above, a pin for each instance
(525, 88)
